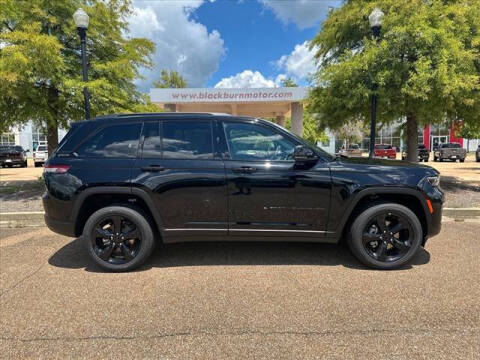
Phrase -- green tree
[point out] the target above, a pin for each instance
(289, 82)
(170, 79)
(40, 63)
(426, 64)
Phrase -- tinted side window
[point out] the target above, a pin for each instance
(152, 147)
(187, 139)
(118, 141)
(248, 141)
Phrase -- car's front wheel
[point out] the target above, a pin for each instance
(118, 238)
(385, 236)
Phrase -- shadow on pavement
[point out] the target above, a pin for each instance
(450, 183)
(75, 256)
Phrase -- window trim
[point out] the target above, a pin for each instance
(190, 120)
(142, 139)
(265, 126)
(100, 128)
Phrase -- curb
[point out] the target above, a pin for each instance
(459, 212)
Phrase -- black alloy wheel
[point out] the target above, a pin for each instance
(386, 237)
(119, 237)
(116, 239)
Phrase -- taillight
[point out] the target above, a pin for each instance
(56, 169)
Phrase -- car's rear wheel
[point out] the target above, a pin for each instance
(385, 236)
(119, 238)
(462, 160)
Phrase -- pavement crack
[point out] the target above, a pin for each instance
(21, 281)
(249, 332)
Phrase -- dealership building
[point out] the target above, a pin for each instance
(277, 103)
(273, 103)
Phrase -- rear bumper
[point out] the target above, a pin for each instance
(56, 219)
(12, 161)
(60, 227)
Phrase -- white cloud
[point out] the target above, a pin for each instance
(182, 43)
(304, 13)
(300, 63)
(246, 79)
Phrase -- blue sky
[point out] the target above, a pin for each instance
(230, 43)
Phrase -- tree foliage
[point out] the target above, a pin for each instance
(40, 62)
(289, 82)
(426, 64)
(170, 79)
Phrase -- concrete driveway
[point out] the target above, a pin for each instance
(239, 300)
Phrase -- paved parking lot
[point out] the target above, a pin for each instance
(239, 300)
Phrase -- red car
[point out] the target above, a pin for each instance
(384, 150)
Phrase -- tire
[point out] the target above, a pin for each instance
(24, 164)
(360, 249)
(37, 164)
(426, 160)
(131, 215)
(462, 160)
(435, 159)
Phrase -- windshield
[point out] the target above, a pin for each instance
(7, 148)
(383, 147)
(42, 148)
(452, 145)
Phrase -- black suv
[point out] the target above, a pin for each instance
(126, 181)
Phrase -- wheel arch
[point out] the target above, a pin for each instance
(92, 199)
(410, 198)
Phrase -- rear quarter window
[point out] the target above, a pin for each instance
(112, 141)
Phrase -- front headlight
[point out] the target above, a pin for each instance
(434, 180)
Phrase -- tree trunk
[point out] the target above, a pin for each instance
(52, 125)
(412, 138)
(52, 137)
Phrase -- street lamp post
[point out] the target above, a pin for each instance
(375, 19)
(81, 19)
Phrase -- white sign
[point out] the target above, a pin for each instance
(212, 95)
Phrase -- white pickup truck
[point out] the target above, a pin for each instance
(40, 155)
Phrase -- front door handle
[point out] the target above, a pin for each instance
(244, 170)
(152, 168)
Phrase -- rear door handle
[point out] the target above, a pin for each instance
(152, 168)
(244, 170)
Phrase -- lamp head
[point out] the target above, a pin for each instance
(376, 18)
(81, 19)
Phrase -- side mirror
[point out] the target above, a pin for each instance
(304, 154)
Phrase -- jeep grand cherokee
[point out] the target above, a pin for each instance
(124, 182)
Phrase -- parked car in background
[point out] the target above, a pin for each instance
(450, 151)
(352, 150)
(13, 155)
(423, 153)
(40, 155)
(477, 154)
(385, 150)
(128, 181)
